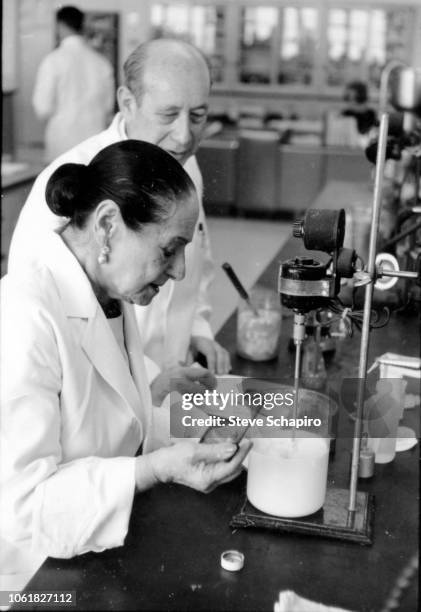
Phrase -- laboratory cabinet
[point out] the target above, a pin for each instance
(252, 172)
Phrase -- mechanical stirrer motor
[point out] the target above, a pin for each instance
(311, 281)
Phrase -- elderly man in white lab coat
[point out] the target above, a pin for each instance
(74, 88)
(164, 101)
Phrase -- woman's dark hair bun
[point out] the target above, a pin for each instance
(66, 188)
(144, 181)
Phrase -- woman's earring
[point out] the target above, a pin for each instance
(103, 254)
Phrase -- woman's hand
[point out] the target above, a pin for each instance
(184, 379)
(199, 466)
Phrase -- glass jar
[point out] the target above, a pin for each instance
(258, 330)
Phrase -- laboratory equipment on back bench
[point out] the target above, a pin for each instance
(309, 282)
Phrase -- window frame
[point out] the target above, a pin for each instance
(232, 41)
(192, 4)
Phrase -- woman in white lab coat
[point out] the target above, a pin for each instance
(77, 415)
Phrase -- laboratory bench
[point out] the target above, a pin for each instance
(171, 556)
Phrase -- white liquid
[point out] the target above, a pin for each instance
(288, 478)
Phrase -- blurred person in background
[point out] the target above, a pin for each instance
(74, 87)
(356, 98)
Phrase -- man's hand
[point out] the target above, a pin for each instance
(184, 379)
(217, 358)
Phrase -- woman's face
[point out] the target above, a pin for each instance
(140, 262)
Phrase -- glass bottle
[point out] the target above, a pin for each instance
(313, 370)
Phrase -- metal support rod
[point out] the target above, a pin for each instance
(298, 347)
(417, 180)
(299, 334)
(399, 274)
(365, 332)
(297, 376)
(384, 83)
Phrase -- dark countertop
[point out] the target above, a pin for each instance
(170, 560)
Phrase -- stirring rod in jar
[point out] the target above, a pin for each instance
(237, 284)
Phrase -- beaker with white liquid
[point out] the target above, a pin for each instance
(287, 476)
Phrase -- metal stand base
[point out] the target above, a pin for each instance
(332, 521)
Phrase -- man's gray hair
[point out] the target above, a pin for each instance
(134, 66)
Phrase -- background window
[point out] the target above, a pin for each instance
(298, 45)
(283, 44)
(201, 25)
(258, 27)
(361, 42)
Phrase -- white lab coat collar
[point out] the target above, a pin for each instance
(99, 342)
(72, 40)
(116, 131)
(73, 285)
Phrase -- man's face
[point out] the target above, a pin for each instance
(172, 110)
